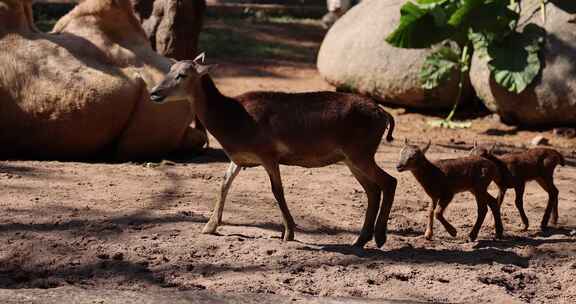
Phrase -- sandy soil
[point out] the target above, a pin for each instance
(131, 226)
(136, 227)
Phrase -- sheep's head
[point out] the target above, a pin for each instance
(182, 76)
(411, 156)
(482, 151)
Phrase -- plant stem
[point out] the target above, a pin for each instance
(464, 62)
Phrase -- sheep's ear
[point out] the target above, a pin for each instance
(172, 60)
(200, 58)
(492, 149)
(405, 141)
(425, 149)
(204, 69)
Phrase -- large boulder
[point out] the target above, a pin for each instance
(551, 99)
(355, 56)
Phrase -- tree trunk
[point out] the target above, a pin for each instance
(172, 26)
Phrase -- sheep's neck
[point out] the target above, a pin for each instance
(220, 114)
(427, 174)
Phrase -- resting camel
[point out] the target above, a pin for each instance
(81, 91)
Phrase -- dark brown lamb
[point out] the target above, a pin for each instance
(516, 169)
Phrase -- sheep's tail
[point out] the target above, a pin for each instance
(391, 125)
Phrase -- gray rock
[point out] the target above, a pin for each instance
(551, 99)
(354, 56)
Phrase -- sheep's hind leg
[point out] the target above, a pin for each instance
(278, 191)
(519, 202)
(552, 206)
(373, 193)
(482, 211)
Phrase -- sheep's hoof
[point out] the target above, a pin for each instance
(361, 241)
(453, 232)
(428, 236)
(210, 228)
(287, 236)
(380, 240)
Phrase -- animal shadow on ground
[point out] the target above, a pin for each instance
(409, 254)
(520, 241)
(209, 155)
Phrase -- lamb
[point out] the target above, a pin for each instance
(442, 179)
(516, 169)
(310, 130)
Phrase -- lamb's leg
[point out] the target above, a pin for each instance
(552, 206)
(482, 210)
(495, 208)
(278, 190)
(519, 201)
(439, 214)
(216, 217)
(373, 193)
(501, 195)
(430, 225)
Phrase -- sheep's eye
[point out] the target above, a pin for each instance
(181, 76)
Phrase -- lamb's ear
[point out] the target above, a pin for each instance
(425, 149)
(200, 58)
(492, 148)
(475, 144)
(204, 69)
(172, 60)
(405, 141)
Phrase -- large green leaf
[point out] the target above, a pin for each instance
(421, 25)
(438, 67)
(514, 61)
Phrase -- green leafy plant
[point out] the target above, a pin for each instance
(484, 26)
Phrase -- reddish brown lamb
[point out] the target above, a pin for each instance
(442, 179)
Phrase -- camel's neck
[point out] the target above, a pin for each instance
(17, 19)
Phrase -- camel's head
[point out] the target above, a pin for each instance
(482, 150)
(182, 77)
(411, 156)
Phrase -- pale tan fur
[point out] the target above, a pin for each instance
(75, 94)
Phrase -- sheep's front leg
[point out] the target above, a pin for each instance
(216, 217)
(430, 227)
(439, 214)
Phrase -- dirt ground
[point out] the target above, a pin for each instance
(136, 226)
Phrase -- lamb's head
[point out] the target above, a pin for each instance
(183, 76)
(411, 156)
(482, 151)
